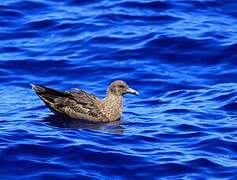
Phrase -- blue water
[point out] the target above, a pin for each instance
(180, 55)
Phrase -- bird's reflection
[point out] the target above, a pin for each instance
(63, 122)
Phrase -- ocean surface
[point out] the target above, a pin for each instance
(180, 55)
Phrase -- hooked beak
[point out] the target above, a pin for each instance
(132, 91)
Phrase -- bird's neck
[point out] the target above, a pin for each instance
(112, 106)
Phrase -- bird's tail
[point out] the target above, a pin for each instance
(38, 88)
(48, 95)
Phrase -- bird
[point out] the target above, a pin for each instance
(81, 105)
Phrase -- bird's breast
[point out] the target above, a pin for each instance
(112, 107)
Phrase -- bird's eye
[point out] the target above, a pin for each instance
(121, 86)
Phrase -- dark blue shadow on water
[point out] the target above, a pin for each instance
(63, 122)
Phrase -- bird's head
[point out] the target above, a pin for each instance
(120, 88)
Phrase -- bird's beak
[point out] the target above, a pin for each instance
(132, 91)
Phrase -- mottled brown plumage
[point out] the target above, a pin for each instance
(78, 104)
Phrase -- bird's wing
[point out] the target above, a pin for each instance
(69, 102)
(82, 95)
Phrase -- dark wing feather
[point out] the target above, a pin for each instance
(81, 95)
(86, 103)
(69, 101)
